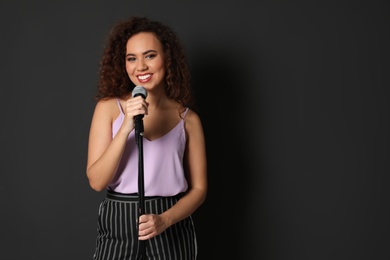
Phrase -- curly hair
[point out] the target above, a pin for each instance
(113, 79)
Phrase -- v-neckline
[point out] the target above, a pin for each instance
(164, 135)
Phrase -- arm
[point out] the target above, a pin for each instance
(105, 152)
(196, 170)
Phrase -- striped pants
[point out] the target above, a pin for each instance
(118, 233)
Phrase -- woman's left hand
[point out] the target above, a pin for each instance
(150, 225)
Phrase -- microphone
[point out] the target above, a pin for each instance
(138, 123)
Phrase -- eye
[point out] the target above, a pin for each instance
(130, 59)
(150, 56)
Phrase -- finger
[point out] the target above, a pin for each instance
(146, 234)
(143, 218)
(136, 109)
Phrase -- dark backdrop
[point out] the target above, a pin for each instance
(294, 101)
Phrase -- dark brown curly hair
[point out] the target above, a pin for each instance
(113, 79)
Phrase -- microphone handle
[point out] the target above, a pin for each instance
(139, 124)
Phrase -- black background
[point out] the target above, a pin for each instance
(293, 96)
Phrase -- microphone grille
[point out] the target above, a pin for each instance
(139, 90)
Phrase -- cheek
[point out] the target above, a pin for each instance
(129, 71)
(128, 68)
(161, 67)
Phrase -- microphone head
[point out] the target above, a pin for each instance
(139, 90)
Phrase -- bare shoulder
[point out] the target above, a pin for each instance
(192, 116)
(193, 121)
(107, 108)
(107, 103)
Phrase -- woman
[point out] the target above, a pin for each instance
(146, 53)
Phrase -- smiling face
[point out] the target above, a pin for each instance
(145, 61)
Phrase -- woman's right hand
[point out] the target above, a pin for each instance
(134, 106)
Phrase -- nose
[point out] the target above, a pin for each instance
(141, 66)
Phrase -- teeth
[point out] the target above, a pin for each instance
(144, 77)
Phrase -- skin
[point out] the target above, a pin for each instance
(145, 66)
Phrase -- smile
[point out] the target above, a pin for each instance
(144, 77)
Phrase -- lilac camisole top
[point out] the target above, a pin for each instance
(163, 162)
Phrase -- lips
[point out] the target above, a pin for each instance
(144, 78)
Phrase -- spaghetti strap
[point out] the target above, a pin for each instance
(185, 112)
(119, 105)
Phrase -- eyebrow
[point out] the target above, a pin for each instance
(145, 52)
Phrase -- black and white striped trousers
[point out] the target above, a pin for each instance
(118, 233)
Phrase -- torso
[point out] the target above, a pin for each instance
(163, 148)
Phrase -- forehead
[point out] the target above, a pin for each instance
(142, 42)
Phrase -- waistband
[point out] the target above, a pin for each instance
(127, 196)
